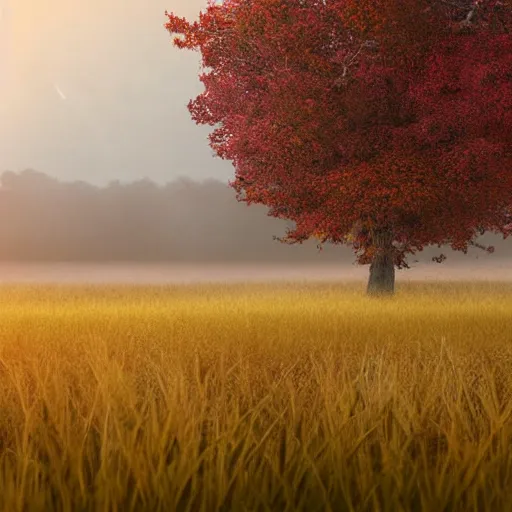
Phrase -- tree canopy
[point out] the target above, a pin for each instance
(358, 118)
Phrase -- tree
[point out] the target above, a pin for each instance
(381, 124)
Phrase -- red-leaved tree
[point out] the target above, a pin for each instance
(382, 124)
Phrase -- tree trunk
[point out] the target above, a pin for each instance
(382, 268)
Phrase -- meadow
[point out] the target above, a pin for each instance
(256, 397)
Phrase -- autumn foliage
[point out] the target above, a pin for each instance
(358, 117)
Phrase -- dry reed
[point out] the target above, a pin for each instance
(256, 397)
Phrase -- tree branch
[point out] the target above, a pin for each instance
(466, 22)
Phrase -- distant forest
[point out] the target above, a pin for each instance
(44, 219)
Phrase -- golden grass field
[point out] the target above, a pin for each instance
(256, 397)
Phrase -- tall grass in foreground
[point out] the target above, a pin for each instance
(256, 397)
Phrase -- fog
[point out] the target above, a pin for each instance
(182, 231)
(173, 273)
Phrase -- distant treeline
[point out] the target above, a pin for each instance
(43, 219)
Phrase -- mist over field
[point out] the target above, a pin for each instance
(183, 231)
(182, 273)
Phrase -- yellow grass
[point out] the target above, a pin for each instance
(256, 397)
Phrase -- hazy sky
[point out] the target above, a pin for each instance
(94, 90)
